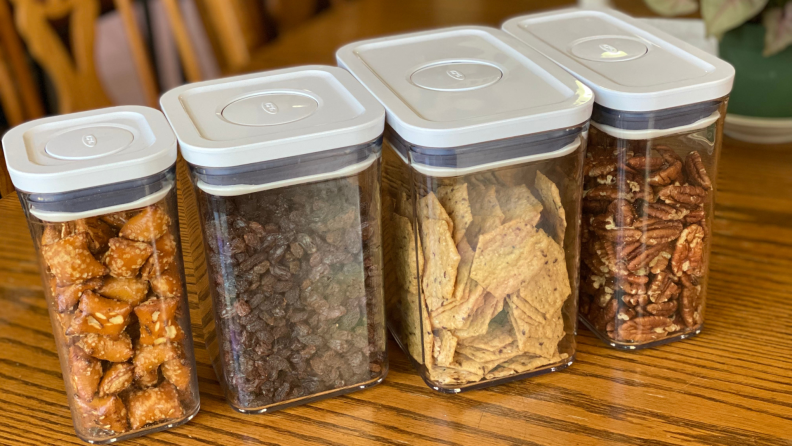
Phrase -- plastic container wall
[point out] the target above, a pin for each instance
(650, 181)
(295, 279)
(481, 262)
(114, 285)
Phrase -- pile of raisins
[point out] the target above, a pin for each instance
(297, 290)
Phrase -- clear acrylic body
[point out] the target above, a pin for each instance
(295, 278)
(647, 216)
(481, 268)
(114, 285)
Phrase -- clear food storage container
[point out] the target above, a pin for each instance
(286, 167)
(99, 192)
(482, 171)
(650, 171)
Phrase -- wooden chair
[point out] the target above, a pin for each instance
(19, 98)
(237, 29)
(72, 71)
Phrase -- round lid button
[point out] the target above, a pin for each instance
(270, 109)
(456, 76)
(608, 48)
(89, 142)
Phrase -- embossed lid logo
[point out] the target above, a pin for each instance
(456, 75)
(89, 140)
(270, 108)
(608, 48)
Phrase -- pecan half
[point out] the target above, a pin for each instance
(596, 166)
(689, 252)
(605, 315)
(643, 258)
(663, 288)
(647, 328)
(625, 314)
(690, 195)
(668, 154)
(660, 232)
(690, 304)
(631, 283)
(619, 235)
(663, 308)
(608, 255)
(664, 211)
(666, 176)
(622, 212)
(635, 300)
(695, 216)
(645, 163)
(609, 193)
(696, 172)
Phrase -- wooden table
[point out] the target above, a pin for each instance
(732, 385)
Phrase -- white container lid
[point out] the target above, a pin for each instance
(630, 65)
(466, 85)
(272, 115)
(88, 149)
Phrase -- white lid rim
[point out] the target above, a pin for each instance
(677, 94)
(242, 189)
(208, 159)
(59, 217)
(198, 150)
(411, 127)
(38, 179)
(656, 133)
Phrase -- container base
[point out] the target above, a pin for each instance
(315, 397)
(480, 384)
(145, 431)
(632, 347)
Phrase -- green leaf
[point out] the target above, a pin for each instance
(722, 15)
(670, 8)
(778, 29)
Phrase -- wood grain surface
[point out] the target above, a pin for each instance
(732, 385)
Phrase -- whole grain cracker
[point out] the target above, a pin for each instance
(445, 346)
(552, 205)
(549, 288)
(448, 375)
(429, 208)
(441, 260)
(481, 317)
(456, 203)
(487, 214)
(517, 202)
(428, 336)
(466, 255)
(405, 253)
(508, 257)
(411, 324)
(457, 315)
(527, 327)
(500, 372)
(404, 205)
(493, 339)
(484, 356)
(529, 362)
(526, 307)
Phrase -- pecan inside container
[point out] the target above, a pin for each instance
(645, 233)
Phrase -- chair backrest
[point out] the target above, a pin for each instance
(19, 98)
(236, 28)
(72, 68)
(73, 73)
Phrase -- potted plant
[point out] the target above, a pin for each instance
(755, 36)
